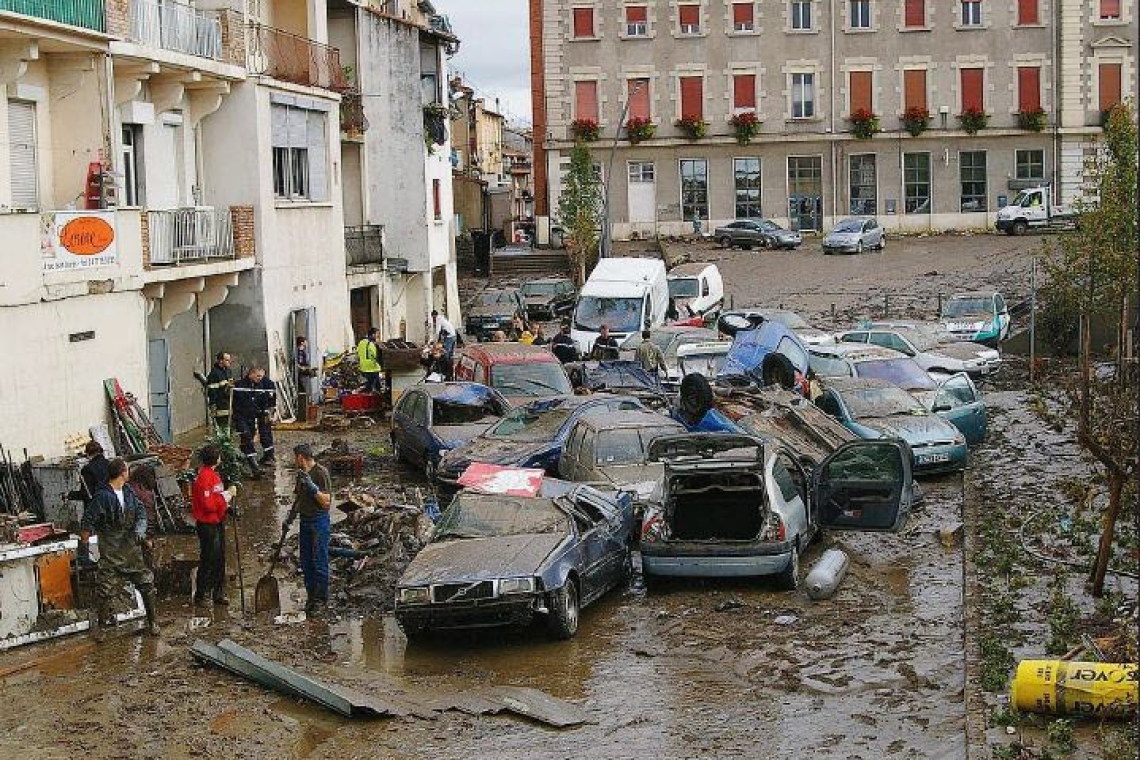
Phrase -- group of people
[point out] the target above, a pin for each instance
(245, 406)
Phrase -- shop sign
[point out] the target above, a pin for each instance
(73, 240)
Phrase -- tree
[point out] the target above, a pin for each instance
(579, 211)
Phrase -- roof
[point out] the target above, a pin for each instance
(628, 268)
(691, 269)
(632, 418)
(856, 351)
(465, 392)
(843, 384)
(509, 353)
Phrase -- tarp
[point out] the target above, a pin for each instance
(494, 479)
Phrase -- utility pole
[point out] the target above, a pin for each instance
(607, 238)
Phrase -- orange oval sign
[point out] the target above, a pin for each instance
(86, 236)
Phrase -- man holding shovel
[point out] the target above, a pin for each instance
(313, 499)
(209, 503)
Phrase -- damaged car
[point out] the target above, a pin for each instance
(612, 450)
(433, 418)
(492, 310)
(497, 560)
(935, 353)
(549, 298)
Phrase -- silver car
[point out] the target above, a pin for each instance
(931, 352)
(855, 236)
(611, 450)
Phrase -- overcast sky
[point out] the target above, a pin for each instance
(494, 53)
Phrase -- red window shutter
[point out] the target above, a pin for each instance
(586, 100)
(860, 89)
(437, 201)
(583, 22)
(742, 14)
(1028, 88)
(692, 98)
(636, 14)
(1027, 12)
(1109, 85)
(1110, 8)
(914, 88)
(743, 90)
(972, 81)
(690, 15)
(639, 99)
(915, 13)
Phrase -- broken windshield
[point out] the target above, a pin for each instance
(623, 315)
(904, 373)
(531, 379)
(525, 424)
(881, 402)
(450, 412)
(967, 307)
(474, 515)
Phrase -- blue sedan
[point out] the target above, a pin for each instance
(433, 418)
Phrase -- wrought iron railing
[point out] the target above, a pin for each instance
(88, 14)
(184, 235)
(353, 123)
(292, 58)
(364, 245)
(176, 26)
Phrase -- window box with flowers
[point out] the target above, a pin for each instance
(693, 127)
(586, 130)
(916, 120)
(864, 124)
(746, 124)
(973, 120)
(1033, 120)
(639, 129)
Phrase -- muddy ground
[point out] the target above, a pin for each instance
(694, 671)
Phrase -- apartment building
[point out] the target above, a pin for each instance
(930, 114)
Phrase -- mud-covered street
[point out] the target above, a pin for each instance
(696, 670)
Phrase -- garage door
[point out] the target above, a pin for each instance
(22, 152)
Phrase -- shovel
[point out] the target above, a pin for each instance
(266, 596)
(237, 550)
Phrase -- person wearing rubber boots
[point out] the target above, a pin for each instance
(211, 505)
(313, 499)
(118, 518)
(255, 398)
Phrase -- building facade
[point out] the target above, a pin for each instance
(749, 109)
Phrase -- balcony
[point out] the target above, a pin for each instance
(177, 27)
(189, 236)
(88, 14)
(292, 58)
(364, 246)
(353, 123)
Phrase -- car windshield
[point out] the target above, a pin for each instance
(708, 364)
(449, 412)
(474, 515)
(851, 225)
(528, 424)
(788, 319)
(968, 307)
(621, 314)
(881, 402)
(539, 289)
(628, 446)
(494, 297)
(688, 287)
(903, 372)
(531, 379)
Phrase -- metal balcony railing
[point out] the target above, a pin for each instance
(88, 14)
(176, 26)
(364, 245)
(353, 123)
(292, 58)
(185, 235)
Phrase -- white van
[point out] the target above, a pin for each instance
(696, 288)
(628, 294)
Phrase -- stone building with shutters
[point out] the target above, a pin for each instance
(972, 100)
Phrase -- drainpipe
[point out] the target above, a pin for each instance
(1056, 82)
(831, 116)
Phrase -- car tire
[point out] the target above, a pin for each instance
(1019, 228)
(883, 243)
(859, 249)
(562, 620)
(726, 242)
(789, 578)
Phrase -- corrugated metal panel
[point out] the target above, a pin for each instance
(22, 152)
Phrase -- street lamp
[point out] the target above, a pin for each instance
(607, 238)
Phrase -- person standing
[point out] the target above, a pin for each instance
(563, 346)
(313, 494)
(443, 331)
(368, 353)
(435, 361)
(255, 397)
(92, 476)
(304, 371)
(605, 346)
(210, 504)
(648, 355)
(218, 385)
(118, 518)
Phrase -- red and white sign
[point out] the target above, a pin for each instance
(78, 240)
(509, 481)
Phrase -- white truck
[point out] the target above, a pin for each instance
(625, 294)
(1033, 208)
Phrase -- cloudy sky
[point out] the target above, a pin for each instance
(494, 53)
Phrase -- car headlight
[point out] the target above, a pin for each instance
(959, 439)
(415, 595)
(516, 585)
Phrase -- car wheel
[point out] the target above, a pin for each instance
(1019, 228)
(726, 242)
(859, 249)
(883, 243)
(562, 621)
(789, 577)
(746, 246)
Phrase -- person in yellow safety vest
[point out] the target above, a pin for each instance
(368, 352)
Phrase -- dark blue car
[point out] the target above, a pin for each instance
(433, 418)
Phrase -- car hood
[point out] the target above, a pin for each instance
(913, 429)
(456, 435)
(842, 237)
(480, 558)
(494, 451)
(488, 311)
(961, 350)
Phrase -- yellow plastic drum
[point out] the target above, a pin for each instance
(1088, 689)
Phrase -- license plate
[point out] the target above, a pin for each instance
(933, 458)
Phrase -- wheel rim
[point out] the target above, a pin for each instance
(726, 242)
(571, 607)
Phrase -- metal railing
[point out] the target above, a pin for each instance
(364, 245)
(88, 14)
(292, 58)
(353, 122)
(171, 25)
(190, 235)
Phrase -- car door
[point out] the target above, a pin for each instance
(596, 531)
(571, 453)
(402, 419)
(864, 486)
(417, 426)
(958, 402)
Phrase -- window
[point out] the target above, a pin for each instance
(641, 172)
(437, 199)
(746, 173)
(801, 14)
(692, 98)
(744, 91)
(690, 18)
(859, 90)
(972, 164)
(1110, 9)
(586, 100)
(300, 153)
(916, 182)
(914, 88)
(1029, 164)
(132, 138)
(694, 189)
(636, 20)
(639, 99)
(972, 81)
(859, 14)
(430, 81)
(784, 481)
(1028, 12)
(864, 185)
(1028, 88)
(803, 96)
(971, 12)
(744, 17)
(914, 14)
(583, 23)
(1109, 77)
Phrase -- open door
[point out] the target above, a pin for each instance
(864, 485)
(959, 403)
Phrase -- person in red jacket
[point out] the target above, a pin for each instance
(209, 503)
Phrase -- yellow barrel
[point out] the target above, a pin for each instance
(1060, 687)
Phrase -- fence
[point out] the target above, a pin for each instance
(88, 14)
(292, 58)
(364, 245)
(190, 234)
(176, 26)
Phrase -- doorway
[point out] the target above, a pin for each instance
(158, 356)
(642, 196)
(805, 192)
(360, 302)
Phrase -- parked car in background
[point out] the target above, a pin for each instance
(855, 236)
(805, 332)
(611, 450)
(518, 371)
(933, 355)
(506, 560)
(978, 317)
(756, 233)
(433, 418)
(549, 298)
(493, 309)
(876, 409)
(736, 506)
(696, 289)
